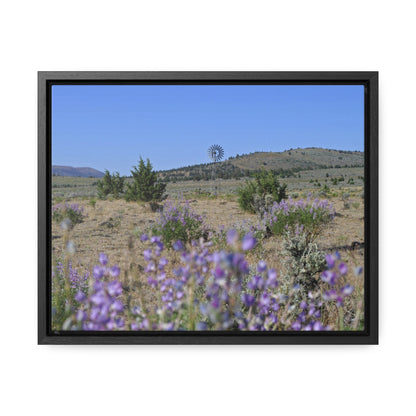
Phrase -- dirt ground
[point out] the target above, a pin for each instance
(112, 227)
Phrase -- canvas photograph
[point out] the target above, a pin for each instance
(206, 208)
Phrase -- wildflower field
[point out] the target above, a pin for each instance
(198, 261)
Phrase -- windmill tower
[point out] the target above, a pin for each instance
(215, 153)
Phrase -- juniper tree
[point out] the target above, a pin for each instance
(110, 185)
(145, 186)
(117, 185)
(104, 185)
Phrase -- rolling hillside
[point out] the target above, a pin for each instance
(76, 172)
(287, 164)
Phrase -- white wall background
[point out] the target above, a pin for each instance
(211, 35)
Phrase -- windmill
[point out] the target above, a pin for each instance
(215, 153)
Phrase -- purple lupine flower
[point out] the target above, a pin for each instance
(178, 245)
(248, 299)
(201, 326)
(80, 296)
(232, 237)
(98, 298)
(147, 254)
(261, 266)
(114, 288)
(358, 270)
(150, 267)
(103, 259)
(256, 282)
(144, 237)
(115, 271)
(271, 281)
(330, 260)
(317, 326)
(102, 309)
(347, 290)
(330, 295)
(219, 272)
(98, 272)
(163, 262)
(248, 242)
(329, 277)
(223, 306)
(343, 269)
(117, 306)
(296, 326)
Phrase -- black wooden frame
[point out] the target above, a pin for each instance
(368, 336)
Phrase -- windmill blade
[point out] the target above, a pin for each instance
(215, 152)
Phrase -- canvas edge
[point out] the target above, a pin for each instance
(368, 78)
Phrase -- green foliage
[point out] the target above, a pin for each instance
(178, 221)
(246, 196)
(104, 185)
(306, 216)
(265, 187)
(117, 185)
(303, 262)
(110, 185)
(66, 283)
(93, 201)
(145, 186)
(268, 184)
(73, 212)
(325, 190)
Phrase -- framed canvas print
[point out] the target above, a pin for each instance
(208, 207)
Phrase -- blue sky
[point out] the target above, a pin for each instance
(109, 126)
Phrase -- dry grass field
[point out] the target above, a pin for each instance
(113, 227)
(69, 188)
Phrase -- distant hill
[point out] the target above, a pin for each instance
(303, 159)
(77, 172)
(286, 164)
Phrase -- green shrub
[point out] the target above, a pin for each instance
(254, 196)
(303, 262)
(246, 196)
(145, 186)
(66, 283)
(178, 221)
(117, 185)
(325, 190)
(110, 185)
(73, 212)
(307, 216)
